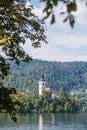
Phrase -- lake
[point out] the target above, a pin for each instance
(59, 121)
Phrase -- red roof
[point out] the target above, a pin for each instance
(47, 89)
(54, 92)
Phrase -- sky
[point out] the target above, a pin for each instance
(64, 43)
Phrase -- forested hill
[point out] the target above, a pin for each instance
(68, 75)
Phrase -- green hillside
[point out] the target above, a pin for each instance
(67, 75)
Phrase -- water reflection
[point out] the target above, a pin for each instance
(40, 123)
(46, 120)
(53, 119)
(66, 121)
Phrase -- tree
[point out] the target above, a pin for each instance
(63, 96)
(8, 101)
(17, 23)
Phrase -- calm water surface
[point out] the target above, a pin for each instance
(45, 122)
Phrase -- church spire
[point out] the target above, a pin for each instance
(42, 77)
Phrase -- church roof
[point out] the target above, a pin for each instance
(54, 92)
(47, 89)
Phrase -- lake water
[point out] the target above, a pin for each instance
(60, 121)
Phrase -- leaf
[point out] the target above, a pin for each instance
(4, 40)
(47, 15)
(55, 2)
(65, 19)
(74, 6)
(62, 13)
(71, 20)
(53, 19)
(71, 6)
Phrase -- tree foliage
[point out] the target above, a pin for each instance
(17, 23)
(47, 104)
(71, 6)
(7, 103)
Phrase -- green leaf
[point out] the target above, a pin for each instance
(53, 19)
(47, 15)
(71, 20)
(74, 6)
(62, 13)
(71, 6)
(55, 2)
(65, 19)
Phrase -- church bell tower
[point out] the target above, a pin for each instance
(41, 85)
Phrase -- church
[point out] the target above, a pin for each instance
(42, 86)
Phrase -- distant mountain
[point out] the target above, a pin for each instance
(68, 75)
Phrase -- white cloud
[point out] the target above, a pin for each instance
(81, 15)
(64, 43)
(71, 41)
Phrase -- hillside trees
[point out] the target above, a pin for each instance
(68, 75)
